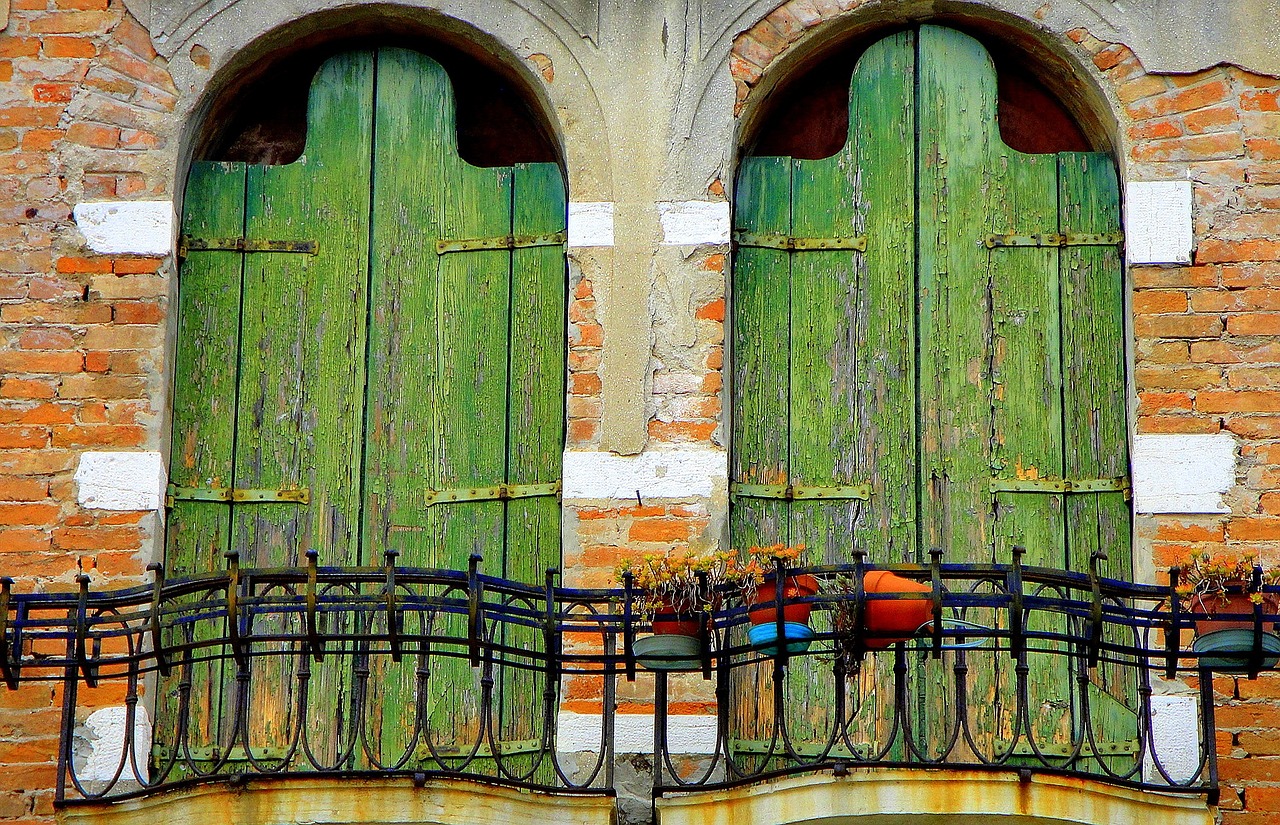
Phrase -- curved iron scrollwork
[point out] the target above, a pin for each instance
(392, 670)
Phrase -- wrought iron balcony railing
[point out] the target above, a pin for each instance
(427, 673)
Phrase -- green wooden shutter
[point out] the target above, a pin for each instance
(960, 379)
(374, 378)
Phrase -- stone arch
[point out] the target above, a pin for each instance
(789, 40)
(217, 41)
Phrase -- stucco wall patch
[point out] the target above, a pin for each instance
(127, 227)
(102, 743)
(591, 224)
(121, 480)
(1157, 222)
(633, 732)
(655, 474)
(689, 223)
(1183, 473)
(1174, 719)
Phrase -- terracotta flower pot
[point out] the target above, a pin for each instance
(1237, 604)
(667, 621)
(1225, 645)
(763, 608)
(898, 619)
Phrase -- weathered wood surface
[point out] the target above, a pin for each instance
(932, 364)
(371, 374)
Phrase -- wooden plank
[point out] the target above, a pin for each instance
(1094, 404)
(536, 353)
(204, 412)
(1093, 340)
(882, 323)
(956, 107)
(761, 345)
(1026, 363)
(536, 388)
(439, 346)
(301, 413)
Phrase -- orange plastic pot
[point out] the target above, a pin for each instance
(763, 608)
(893, 620)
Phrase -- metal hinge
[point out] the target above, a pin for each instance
(503, 242)
(794, 492)
(499, 492)
(188, 244)
(1060, 485)
(235, 494)
(1055, 239)
(790, 243)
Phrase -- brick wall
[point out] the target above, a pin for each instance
(83, 106)
(85, 114)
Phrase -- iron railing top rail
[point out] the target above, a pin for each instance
(41, 633)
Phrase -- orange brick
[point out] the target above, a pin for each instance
(1257, 323)
(97, 538)
(137, 266)
(97, 361)
(19, 46)
(1238, 401)
(1212, 250)
(1254, 529)
(1173, 531)
(72, 265)
(28, 514)
(138, 313)
(24, 540)
(1178, 326)
(659, 529)
(27, 388)
(71, 22)
(1151, 376)
(46, 414)
(713, 311)
(74, 47)
(590, 335)
(1157, 302)
(52, 338)
(98, 435)
(51, 92)
(672, 431)
(41, 362)
(584, 383)
(20, 437)
(94, 135)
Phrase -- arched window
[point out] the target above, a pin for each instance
(370, 357)
(928, 331)
(929, 352)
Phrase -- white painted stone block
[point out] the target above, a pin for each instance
(121, 480)
(102, 744)
(689, 223)
(1175, 740)
(656, 474)
(633, 732)
(1157, 222)
(1183, 473)
(127, 227)
(591, 224)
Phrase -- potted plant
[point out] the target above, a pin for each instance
(759, 585)
(884, 622)
(1221, 585)
(678, 592)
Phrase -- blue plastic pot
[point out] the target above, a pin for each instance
(764, 637)
(1230, 650)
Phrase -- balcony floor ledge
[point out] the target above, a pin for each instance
(895, 796)
(345, 801)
